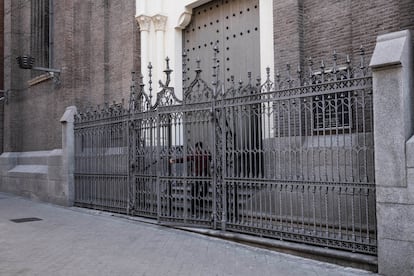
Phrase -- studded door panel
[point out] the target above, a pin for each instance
(234, 26)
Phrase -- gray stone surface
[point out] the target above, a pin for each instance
(410, 152)
(37, 175)
(391, 49)
(68, 153)
(392, 107)
(400, 222)
(401, 266)
(71, 241)
(44, 175)
(392, 65)
(390, 128)
(391, 194)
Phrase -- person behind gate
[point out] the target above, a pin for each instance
(199, 167)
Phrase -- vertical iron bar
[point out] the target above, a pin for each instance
(51, 34)
(158, 164)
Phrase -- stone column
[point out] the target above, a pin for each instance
(144, 22)
(68, 152)
(392, 66)
(160, 22)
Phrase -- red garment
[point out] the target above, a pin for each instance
(199, 163)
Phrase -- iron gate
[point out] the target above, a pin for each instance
(291, 159)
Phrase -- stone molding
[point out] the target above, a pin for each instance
(160, 22)
(391, 49)
(184, 19)
(144, 22)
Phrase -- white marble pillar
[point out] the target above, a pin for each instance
(160, 22)
(144, 22)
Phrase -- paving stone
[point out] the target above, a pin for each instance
(71, 242)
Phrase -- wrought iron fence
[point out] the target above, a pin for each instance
(291, 159)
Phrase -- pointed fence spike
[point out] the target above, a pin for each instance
(277, 76)
(150, 79)
(167, 60)
(167, 72)
(198, 61)
(258, 81)
(362, 57)
(141, 79)
(288, 67)
(288, 72)
(198, 68)
(334, 57)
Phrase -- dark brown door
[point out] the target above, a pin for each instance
(234, 26)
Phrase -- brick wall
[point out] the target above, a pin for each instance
(307, 28)
(95, 47)
(288, 33)
(1, 71)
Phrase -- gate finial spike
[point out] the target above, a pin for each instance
(198, 60)
(216, 66)
(322, 66)
(289, 76)
(167, 72)
(133, 76)
(216, 48)
(300, 76)
(268, 73)
(322, 71)
(348, 60)
(310, 64)
(167, 59)
(184, 56)
(362, 56)
(150, 80)
(198, 68)
(141, 80)
(334, 57)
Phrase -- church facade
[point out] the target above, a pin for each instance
(63, 58)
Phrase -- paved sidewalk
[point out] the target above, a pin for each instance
(71, 242)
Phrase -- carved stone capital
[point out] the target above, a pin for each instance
(184, 19)
(144, 22)
(160, 21)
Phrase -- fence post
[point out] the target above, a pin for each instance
(392, 66)
(68, 152)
